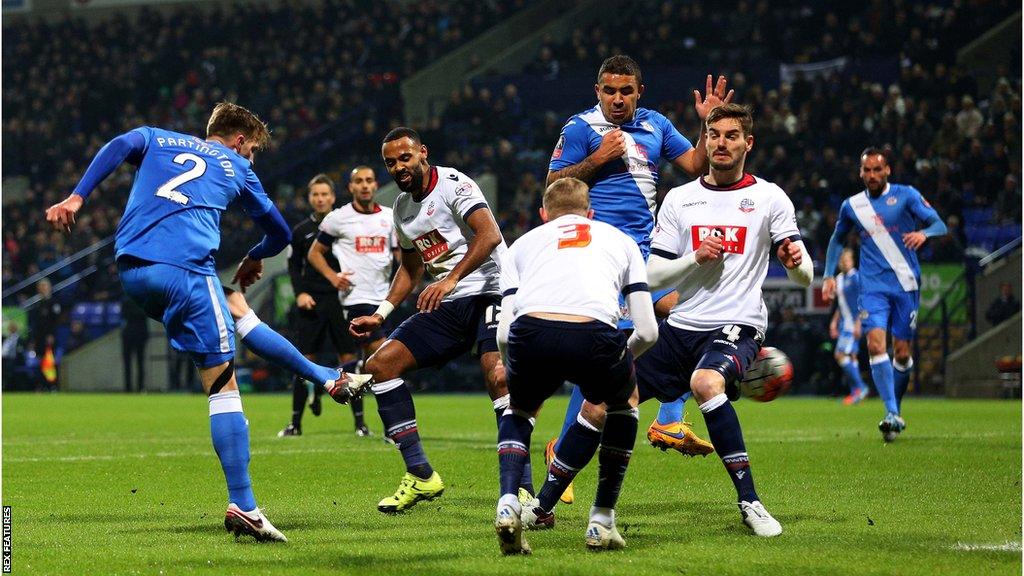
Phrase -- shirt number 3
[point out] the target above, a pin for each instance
(574, 236)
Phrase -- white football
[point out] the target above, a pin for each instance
(769, 377)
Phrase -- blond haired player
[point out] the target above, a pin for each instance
(561, 284)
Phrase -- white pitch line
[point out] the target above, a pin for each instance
(262, 452)
(1004, 547)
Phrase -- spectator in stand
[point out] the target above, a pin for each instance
(134, 335)
(1004, 306)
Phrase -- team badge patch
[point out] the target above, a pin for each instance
(892, 201)
(746, 205)
(558, 148)
(464, 189)
(431, 208)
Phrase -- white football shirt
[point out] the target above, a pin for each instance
(363, 245)
(573, 265)
(436, 228)
(750, 216)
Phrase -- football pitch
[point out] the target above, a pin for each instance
(118, 484)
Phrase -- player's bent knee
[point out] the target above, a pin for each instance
(594, 414)
(220, 378)
(707, 383)
(236, 303)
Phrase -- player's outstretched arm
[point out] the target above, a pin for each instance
(794, 256)
(504, 324)
(486, 237)
(645, 324)
(128, 146)
(317, 258)
(410, 270)
(695, 161)
(663, 271)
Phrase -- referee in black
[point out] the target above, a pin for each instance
(318, 311)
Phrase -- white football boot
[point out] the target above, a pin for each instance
(759, 520)
(253, 523)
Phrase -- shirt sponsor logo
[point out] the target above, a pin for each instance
(746, 205)
(734, 238)
(371, 244)
(699, 203)
(464, 189)
(640, 151)
(431, 245)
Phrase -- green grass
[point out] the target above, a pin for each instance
(104, 484)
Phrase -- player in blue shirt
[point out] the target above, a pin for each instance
(165, 246)
(616, 147)
(887, 217)
(845, 327)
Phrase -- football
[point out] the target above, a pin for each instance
(769, 377)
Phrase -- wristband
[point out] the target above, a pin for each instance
(384, 309)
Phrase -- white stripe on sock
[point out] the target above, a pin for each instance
(246, 324)
(501, 403)
(225, 402)
(583, 422)
(714, 403)
(903, 367)
(879, 358)
(387, 385)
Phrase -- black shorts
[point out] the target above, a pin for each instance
(664, 371)
(542, 354)
(357, 310)
(456, 327)
(326, 319)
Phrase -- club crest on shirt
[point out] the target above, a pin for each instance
(892, 201)
(430, 208)
(734, 238)
(647, 126)
(746, 205)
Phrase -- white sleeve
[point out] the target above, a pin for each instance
(804, 273)
(466, 198)
(508, 282)
(504, 322)
(645, 325)
(330, 225)
(403, 242)
(664, 273)
(666, 237)
(638, 300)
(783, 218)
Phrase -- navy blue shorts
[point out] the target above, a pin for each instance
(357, 310)
(542, 354)
(664, 371)
(456, 327)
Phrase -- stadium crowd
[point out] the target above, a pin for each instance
(958, 143)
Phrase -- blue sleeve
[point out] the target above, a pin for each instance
(835, 243)
(924, 212)
(278, 235)
(128, 147)
(254, 198)
(674, 144)
(573, 145)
